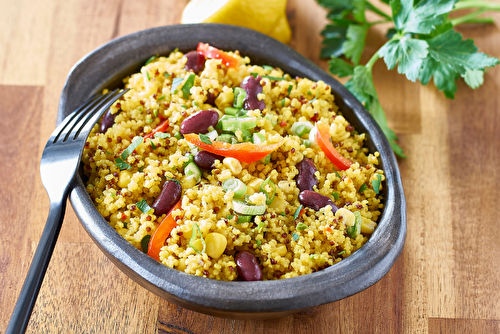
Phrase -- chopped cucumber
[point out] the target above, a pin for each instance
(258, 138)
(231, 111)
(239, 96)
(227, 138)
(192, 170)
(234, 124)
(212, 135)
(245, 209)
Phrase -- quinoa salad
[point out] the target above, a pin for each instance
(232, 171)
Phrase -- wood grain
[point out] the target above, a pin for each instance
(445, 281)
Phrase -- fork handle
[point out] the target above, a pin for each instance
(29, 292)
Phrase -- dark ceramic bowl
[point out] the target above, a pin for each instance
(106, 66)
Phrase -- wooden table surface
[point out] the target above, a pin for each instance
(445, 281)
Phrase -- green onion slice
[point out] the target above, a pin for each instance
(260, 227)
(236, 186)
(249, 210)
(162, 135)
(258, 138)
(194, 235)
(243, 219)
(231, 111)
(269, 196)
(301, 128)
(353, 231)
(143, 206)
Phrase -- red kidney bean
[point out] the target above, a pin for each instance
(252, 87)
(200, 122)
(306, 179)
(205, 159)
(316, 201)
(169, 196)
(195, 61)
(248, 267)
(107, 121)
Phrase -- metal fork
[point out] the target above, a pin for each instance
(60, 160)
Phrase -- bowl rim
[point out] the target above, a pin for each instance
(221, 298)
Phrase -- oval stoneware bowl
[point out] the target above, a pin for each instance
(106, 66)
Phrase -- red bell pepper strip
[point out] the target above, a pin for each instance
(162, 127)
(162, 233)
(245, 152)
(323, 141)
(213, 53)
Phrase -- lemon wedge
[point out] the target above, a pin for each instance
(267, 17)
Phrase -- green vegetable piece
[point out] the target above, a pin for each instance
(239, 96)
(205, 139)
(234, 124)
(196, 232)
(128, 151)
(122, 164)
(289, 90)
(236, 186)
(295, 236)
(255, 75)
(249, 210)
(166, 75)
(267, 67)
(307, 142)
(175, 84)
(153, 146)
(376, 184)
(147, 75)
(301, 128)
(190, 159)
(260, 227)
(161, 97)
(145, 243)
(335, 195)
(258, 138)
(162, 135)
(269, 196)
(231, 111)
(301, 226)
(150, 60)
(340, 253)
(273, 78)
(192, 170)
(362, 188)
(229, 217)
(258, 243)
(353, 231)
(227, 138)
(297, 212)
(178, 135)
(143, 206)
(244, 219)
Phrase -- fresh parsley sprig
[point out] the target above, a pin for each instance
(422, 45)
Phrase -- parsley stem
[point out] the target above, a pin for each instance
(374, 9)
(477, 4)
(466, 18)
(372, 61)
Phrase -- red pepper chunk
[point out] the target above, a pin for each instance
(162, 233)
(323, 141)
(162, 127)
(213, 53)
(245, 152)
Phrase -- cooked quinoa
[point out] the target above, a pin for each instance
(286, 240)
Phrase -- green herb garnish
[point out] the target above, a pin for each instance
(283, 214)
(140, 169)
(175, 83)
(166, 75)
(260, 227)
(145, 243)
(122, 164)
(362, 188)
(143, 206)
(376, 184)
(150, 60)
(422, 44)
(340, 253)
(128, 151)
(161, 97)
(147, 75)
(338, 175)
(283, 102)
(108, 152)
(297, 212)
(273, 78)
(162, 135)
(301, 226)
(295, 236)
(186, 88)
(153, 146)
(335, 195)
(258, 243)
(184, 106)
(229, 217)
(267, 67)
(255, 75)
(289, 89)
(205, 139)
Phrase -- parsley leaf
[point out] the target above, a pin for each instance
(176, 83)
(355, 42)
(421, 18)
(205, 139)
(408, 53)
(143, 206)
(473, 78)
(187, 86)
(340, 67)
